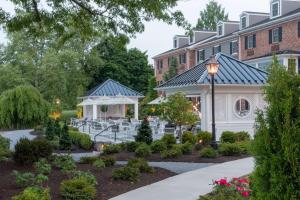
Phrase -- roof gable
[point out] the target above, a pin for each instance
(231, 71)
(112, 88)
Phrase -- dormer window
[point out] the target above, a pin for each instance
(275, 9)
(191, 38)
(243, 22)
(175, 43)
(220, 30)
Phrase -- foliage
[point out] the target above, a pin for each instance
(109, 161)
(245, 146)
(132, 146)
(230, 149)
(29, 179)
(22, 107)
(172, 71)
(85, 174)
(242, 136)
(140, 164)
(34, 193)
(65, 142)
(238, 189)
(99, 164)
(82, 140)
(66, 115)
(228, 137)
(4, 142)
(174, 152)
(49, 130)
(169, 140)
(208, 152)
(210, 16)
(4, 148)
(111, 149)
(276, 143)
(182, 116)
(187, 148)
(144, 132)
(205, 137)
(77, 189)
(126, 174)
(143, 150)
(27, 152)
(65, 163)
(151, 93)
(158, 146)
(188, 136)
(42, 167)
(88, 159)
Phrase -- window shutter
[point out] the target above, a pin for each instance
(298, 29)
(213, 51)
(299, 63)
(230, 48)
(254, 40)
(220, 48)
(198, 56)
(270, 36)
(246, 42)
(203, 53)
(280, 33)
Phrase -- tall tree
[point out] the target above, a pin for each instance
(88, 18)
(210, 15)
(276, 144)
(173, 65)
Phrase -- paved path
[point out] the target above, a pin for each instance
(188, 186)
(15, 136)
(177, 167)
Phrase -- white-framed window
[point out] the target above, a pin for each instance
(275, 35)
(200, 56)
(191, 38)
(175, 43)
(242, 107)
(292, 64)
(275, 9)
(243, 22)
(182, 58)
(217, 49)
(220, 30)
(250, 42)
(234, 47)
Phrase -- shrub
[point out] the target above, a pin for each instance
(143, 150)
(27, 152)
(65, 163)
(65, 142)
(33, 193)
(42, 167)
(66, 115)
(242, 136)
(109, 161)
(228, 137)
(111, 149)
(4, 142)
(204, 137)
(169, 140)
(229, 149)
(174, 152)
(99, 164)
(199, 146)
(81, 140)
(29, 179)
(126, 174)
(77, 189)
(158, 146)
(187, 148)
(144, 133)
(55, 142)
(245, 146)
(88, 160)
(85, 174)
(132, 146)
(188, 136)
(140, 164)
(208, 152)
(4, 148)
(49, 130)
(22, 107)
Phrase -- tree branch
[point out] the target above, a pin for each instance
(36, 10)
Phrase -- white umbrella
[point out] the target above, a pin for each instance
(158, 100)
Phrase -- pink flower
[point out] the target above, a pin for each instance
(223, 182)
(228, 184)
(238, 188)
(243, 181)
(245, 194)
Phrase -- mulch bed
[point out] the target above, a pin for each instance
(192, 158)
(106, 188)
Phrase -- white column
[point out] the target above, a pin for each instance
(84, 112)
(94, 112)
(136, 110)
(203, 111)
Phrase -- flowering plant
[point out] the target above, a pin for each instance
(237, 185)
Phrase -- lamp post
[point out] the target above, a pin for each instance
(212, 68)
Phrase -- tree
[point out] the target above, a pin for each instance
(66, 18)
(144, 133)
(151, 93)
(49, 132)
(65, 142)
(22, 107)
(276, 143)
(172, 69)
(210, 15)
(178, 110)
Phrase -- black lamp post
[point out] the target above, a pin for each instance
(212, 68)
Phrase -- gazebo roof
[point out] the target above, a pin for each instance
(112, 88)
(231, 72)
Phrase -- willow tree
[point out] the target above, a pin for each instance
(277, 139)
(22, 107)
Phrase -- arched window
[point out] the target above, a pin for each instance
(242, 107)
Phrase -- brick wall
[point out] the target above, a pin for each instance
(290, 41)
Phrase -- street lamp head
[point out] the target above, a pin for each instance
(57, 101)
(212, 66)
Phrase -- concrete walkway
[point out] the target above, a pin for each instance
(177, 167)
(15, 136)
(188, 186)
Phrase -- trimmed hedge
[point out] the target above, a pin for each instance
(143, 150)
(228, 137)
(126, 174)
(208, 152)
(205, 137)
(158, 146)
(81, 140)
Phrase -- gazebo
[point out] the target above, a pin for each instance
(109, 99)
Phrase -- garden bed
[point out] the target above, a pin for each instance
(192, 158)
(106, 188)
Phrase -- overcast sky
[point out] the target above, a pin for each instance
(157, 36)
